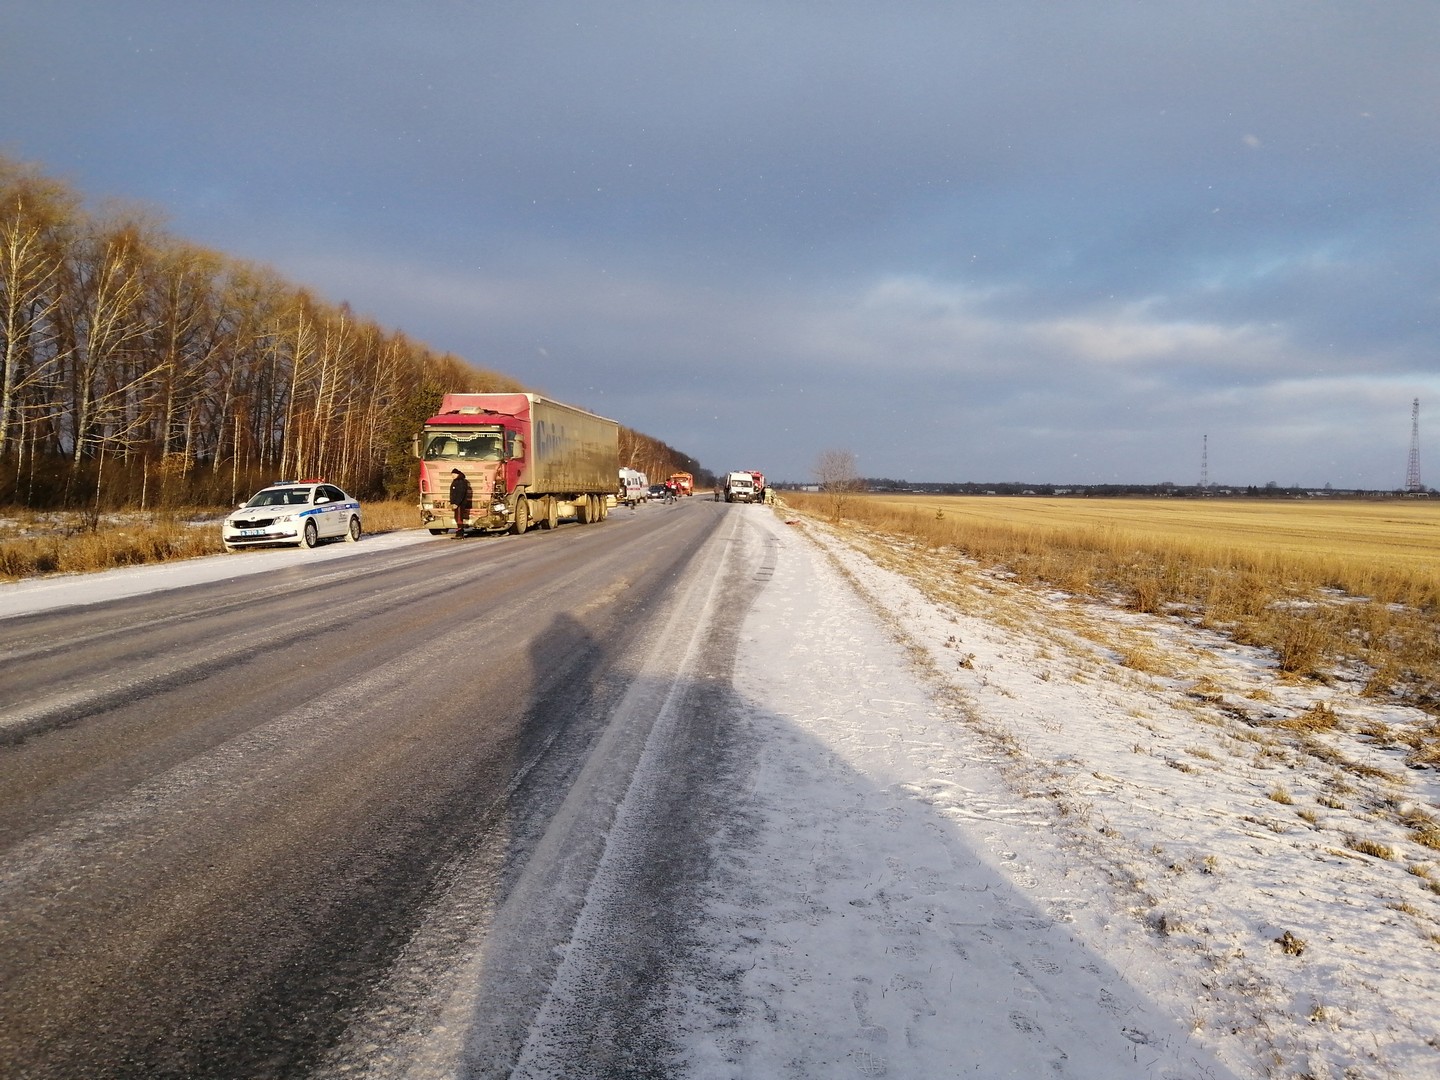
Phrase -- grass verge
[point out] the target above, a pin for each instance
(34, 544)
(1320, 600)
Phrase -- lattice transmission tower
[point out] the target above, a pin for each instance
(1412, 470)
(1204, 463)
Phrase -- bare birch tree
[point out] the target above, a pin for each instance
(839, 481)
(126, 354)
(31, 217)
(99, 321)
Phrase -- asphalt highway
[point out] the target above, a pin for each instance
(339, 819)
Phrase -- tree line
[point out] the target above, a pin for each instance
(137, 369)
(657, 460)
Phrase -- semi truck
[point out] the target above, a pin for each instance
(529, 461)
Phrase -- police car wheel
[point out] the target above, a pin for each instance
(353, 533)
(311, 536)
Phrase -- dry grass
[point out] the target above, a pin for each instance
(32, 545)
(1370, 847)
(1364, 547)
(1292, 945)
(1319, 717)
(58, 543)
(391, 516)
(1320, 585)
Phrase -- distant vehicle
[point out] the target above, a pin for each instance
(684, 483)
(740, 487)
(634, 487)
(302, 512)
(657, 491)
(529, 461)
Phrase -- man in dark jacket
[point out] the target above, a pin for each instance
(460, 499)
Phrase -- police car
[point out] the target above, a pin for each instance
(300, 512)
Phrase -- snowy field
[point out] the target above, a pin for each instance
(994, 832)
(1004, 833)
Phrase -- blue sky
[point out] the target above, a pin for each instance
(964, 240)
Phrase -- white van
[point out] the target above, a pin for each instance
(634, 487)
(740, 487)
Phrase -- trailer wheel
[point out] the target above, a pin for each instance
(522, 515)
(550, 516)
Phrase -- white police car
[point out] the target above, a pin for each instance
(293, 512)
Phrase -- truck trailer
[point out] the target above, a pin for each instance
(529, 460)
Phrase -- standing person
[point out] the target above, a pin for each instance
(460, 500)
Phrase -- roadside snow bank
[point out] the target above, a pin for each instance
(981, 844)
(68, 590)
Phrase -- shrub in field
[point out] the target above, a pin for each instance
(1302, 641)
(1145, 591)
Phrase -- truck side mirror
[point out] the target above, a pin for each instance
(415, 445)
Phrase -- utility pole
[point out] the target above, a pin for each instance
(1412, 470)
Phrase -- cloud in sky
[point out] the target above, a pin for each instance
(1024, 241)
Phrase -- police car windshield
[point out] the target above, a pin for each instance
(281, 497)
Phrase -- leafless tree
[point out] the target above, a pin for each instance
(128, 356)
(839, 480)
(32, 213)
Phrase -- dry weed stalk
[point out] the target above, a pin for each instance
(1319, 717)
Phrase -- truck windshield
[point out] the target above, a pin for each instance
(462, 446)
